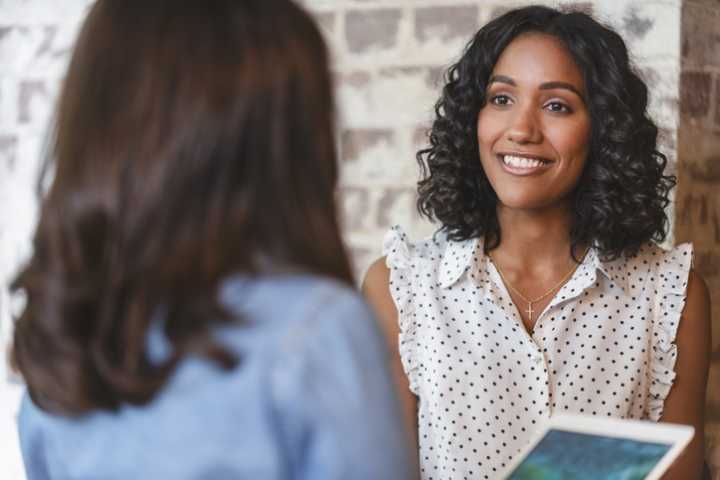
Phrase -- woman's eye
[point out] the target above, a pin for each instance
(558, 107)
(500, 100)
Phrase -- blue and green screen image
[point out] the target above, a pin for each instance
(564, 455)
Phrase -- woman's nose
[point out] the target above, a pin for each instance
(524, 127)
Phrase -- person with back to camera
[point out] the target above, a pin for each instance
(190, 311)
(544, 291)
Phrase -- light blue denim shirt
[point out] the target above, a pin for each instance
(311, 399)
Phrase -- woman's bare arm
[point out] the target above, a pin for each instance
(686, 401)
(376, 288)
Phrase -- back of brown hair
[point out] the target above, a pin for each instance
(193, 139)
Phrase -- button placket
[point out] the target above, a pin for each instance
(542, 374)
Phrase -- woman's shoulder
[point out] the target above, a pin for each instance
(653, 263)
(286, 292)
(402, 252)
(670, 267)
(279, 314)
(661, 255)
(29, 416)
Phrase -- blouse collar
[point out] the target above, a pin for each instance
(457, 259)
(460, 256)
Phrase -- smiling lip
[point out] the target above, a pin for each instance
(523, 164)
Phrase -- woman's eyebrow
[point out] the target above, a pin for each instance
(544, 86)
(564, 85)
(502, 79)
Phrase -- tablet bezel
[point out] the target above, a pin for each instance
(677, 436)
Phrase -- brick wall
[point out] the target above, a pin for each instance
(387, 58)
(698, 197)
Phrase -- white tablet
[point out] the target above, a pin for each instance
(595, 448)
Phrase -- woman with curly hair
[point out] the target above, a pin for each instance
(190, 307)
(544, 290)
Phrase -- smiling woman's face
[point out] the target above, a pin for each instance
(534, 129)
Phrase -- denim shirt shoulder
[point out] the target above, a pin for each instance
(311, 398)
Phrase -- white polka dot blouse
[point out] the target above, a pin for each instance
(603, 346)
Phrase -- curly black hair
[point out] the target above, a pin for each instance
(620, 199)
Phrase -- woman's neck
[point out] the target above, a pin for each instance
(534, 240)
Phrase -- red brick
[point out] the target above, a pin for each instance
(717, 101)
(705, 171)
(700, 34)
(708, 264)
(695, 94)
(697, 215)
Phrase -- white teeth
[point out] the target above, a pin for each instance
(521, 162)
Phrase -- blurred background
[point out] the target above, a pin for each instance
(388, 58)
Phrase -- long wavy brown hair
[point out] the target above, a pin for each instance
(193, 139)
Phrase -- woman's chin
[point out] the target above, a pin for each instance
(515, 202)
(530, 202)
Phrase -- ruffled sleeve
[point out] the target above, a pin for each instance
(671, 280)
(399, 253)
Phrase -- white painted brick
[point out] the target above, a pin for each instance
(8, 102)
(664, 94)
(371, 164)
(403, 96)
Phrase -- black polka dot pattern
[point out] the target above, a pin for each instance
(603, 346)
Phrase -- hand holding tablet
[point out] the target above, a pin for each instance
(594, 448)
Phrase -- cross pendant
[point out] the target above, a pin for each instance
(529, 311)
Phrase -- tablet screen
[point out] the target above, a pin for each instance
(563, 455)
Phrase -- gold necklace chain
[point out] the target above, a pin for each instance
(530, 310)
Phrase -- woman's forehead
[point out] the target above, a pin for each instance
(533, 59)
